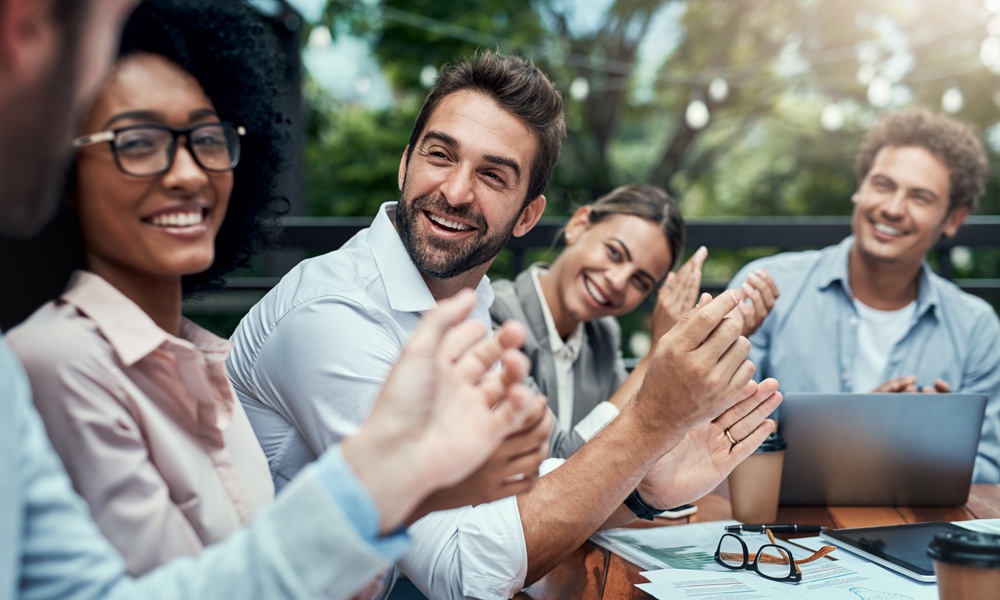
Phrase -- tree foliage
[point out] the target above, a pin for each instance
(785, 63)
(763, 150)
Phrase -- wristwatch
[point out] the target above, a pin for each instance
(641, 509)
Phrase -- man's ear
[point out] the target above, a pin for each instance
(954, 220)
(27, 37)
(401, 176)
(529, 216)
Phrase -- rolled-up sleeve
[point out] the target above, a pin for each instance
(469, 552)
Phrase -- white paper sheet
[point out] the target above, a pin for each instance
(826, 580)
(682, 565)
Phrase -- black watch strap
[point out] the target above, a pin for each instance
(641, 509)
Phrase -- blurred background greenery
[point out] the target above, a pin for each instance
(737, 107)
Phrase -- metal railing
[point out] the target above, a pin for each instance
(312, 235)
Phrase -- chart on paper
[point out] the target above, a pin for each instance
(678, 547)
(680, 557)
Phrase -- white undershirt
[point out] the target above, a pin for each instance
(878, 333)
(564, 354)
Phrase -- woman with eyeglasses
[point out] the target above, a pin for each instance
(172, 185)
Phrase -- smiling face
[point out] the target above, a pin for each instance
(462, 187)
(148, 228)
(901, 208)
(607, 268)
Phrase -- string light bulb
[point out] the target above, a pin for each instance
(952, 100)
(697, 116)
(832, 118)
(579, 89)
(718, 90)
(879, 92)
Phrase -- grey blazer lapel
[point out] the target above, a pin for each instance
(542, 361)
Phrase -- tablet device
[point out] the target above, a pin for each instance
(901, 548)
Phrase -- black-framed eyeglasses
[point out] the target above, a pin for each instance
(772, 561)
(149, 150)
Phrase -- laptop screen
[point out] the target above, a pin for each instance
(879, 449)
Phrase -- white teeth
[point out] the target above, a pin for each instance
(886, 229)
(448, 223)
(177, 219)
(594, 292)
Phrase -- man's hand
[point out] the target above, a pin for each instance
(511, 470)
(697, 371)
(678, 294)
(761, 293)
(907, 384)
(443, 410)
(706, 456)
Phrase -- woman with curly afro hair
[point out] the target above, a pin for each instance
(172, 187)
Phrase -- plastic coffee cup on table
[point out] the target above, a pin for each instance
(754, 483)
(967, 564)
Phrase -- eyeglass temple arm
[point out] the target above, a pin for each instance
(767, 558)
(816, 555)
(94, 138)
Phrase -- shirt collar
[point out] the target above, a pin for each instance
(131, 332)
(574, 342)
(405, 288)
(833, 269)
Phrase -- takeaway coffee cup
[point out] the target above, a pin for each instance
(754, 484)
(967, 564)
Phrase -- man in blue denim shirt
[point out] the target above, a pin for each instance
(868, 314)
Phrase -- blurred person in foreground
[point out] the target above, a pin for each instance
(338, 525)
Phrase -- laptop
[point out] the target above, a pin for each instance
(879, 449)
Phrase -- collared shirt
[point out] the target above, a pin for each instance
(307, 364)
(318, 540)
(598, 370)
(146, 423)
(565, 355)
(810, 340)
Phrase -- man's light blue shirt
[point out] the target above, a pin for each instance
(810, 339)
(318, 540)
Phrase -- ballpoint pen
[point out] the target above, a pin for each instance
(782, 528)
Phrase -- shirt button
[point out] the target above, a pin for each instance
(845, 376)
(853, 321)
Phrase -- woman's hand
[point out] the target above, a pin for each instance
(678, 294)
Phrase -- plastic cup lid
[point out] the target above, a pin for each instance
(969, 548)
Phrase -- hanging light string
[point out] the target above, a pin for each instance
(734, 75)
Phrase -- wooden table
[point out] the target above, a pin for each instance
(593, 573)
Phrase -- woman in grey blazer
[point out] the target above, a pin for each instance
(618, 250)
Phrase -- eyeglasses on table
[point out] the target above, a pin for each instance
(772, 561)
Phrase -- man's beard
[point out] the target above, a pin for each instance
(441, 259)
(34, 150)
